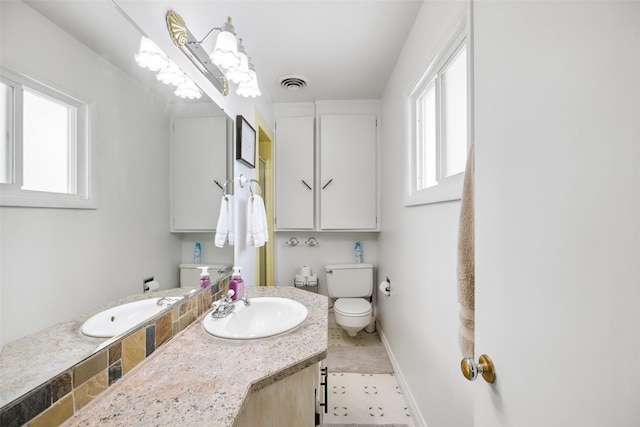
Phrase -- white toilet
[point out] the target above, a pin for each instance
(352, 285)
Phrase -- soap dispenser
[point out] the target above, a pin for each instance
(236, 284)
(205, 281)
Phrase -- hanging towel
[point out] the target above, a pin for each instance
(466, 262)
(257, 232)
(224, 229)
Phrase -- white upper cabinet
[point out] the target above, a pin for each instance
(326, 166)
(294, 173)
(348, 190)
(198, 160)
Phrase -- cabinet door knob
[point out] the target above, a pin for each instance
(305, 184)
(327, 184)
(484, 367)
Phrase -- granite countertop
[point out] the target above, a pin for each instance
(32, 360)
(199, 379)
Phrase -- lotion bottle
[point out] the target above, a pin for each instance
(236, 284)
(358, 252)
(197, 253)
(205, 281)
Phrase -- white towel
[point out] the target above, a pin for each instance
(224, 229)
(257, 232)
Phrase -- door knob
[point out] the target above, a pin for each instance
(484, 367)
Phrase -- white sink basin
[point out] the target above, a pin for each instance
(117, 320)
(265, 317)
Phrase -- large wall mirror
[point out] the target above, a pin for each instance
(61, 264)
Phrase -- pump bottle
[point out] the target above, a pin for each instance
(205, 281)
(236, 284)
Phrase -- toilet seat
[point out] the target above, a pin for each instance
(352, 307)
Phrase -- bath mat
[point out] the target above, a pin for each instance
(364, 360)
(363, 353)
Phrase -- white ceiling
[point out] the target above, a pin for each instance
(346, 49)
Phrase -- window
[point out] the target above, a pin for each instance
(439, 137)
(44, 153)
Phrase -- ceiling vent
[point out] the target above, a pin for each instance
(293, 82)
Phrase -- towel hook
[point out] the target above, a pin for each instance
(292, 242)
(243, 181)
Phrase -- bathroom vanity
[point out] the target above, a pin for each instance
(199, 379)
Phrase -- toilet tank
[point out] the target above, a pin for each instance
(349, 280)
(190, 274)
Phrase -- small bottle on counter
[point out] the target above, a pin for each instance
(197, 253)
(236, 284)
(205, 281)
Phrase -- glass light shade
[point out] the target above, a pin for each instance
(225, 53)
(250, 88)
(150, 56)
(188, 89)
(240, 74)
(171, 74)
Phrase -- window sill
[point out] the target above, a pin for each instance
(446, 191)
(40, 199)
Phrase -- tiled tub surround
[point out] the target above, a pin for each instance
(197, 379)
(63, 388)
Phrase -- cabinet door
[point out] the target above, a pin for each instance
(198, 158)
(294, 173)
(348, 194)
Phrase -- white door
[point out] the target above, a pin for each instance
(557, 108)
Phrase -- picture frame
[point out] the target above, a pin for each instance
(245, 142)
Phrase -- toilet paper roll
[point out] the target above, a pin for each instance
(305, 271)
(152, 285)
(312, 280)
(385, 287)
(300, 280)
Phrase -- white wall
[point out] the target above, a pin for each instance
(59, 263)
(417, 250)
(333, 248)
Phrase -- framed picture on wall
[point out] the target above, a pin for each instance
(245, 142)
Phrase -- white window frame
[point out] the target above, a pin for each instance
(449, 188)
(82, 193)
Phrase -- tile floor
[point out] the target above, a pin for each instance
(357, 399)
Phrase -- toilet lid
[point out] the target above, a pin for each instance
(352, 306)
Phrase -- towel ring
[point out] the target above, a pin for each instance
(223, 187)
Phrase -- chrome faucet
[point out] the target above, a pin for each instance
(225, 305)
(169, 300)
(247, 301)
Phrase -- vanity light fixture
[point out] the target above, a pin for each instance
(188, 89)
(228, 61)
(240, 74)
(249, 88)
(151, 57)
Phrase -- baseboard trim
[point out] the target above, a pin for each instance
(406, 391)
